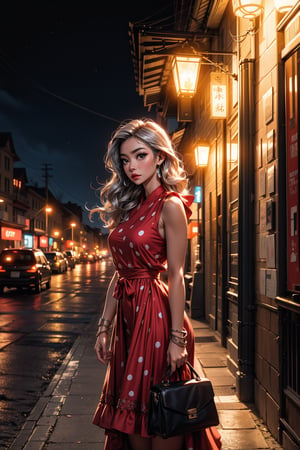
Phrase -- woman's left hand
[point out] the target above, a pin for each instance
(176, 356)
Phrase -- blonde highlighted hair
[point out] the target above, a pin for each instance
(120, 195)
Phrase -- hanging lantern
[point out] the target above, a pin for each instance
(186, 73)
(248, 9)
(201, 155)
(284, 6)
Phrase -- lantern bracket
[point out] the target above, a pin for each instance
(186, 48)
(220, 67)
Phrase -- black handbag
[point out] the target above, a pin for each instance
(181, 406)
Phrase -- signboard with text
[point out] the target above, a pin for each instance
(43, 241)
(11, 234)
(218, 95)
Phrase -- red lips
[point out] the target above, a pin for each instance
(135, 176)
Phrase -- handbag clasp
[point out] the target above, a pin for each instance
(192, 413)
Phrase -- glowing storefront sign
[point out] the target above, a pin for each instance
(192, 229)
(43, 241)
(197, 194)
(11, 234)
(28, 240)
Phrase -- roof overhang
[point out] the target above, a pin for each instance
(152, 54)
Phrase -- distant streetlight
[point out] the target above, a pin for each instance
(48, 210)
(73, 225)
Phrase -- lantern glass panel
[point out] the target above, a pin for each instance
(186, 73)
(201, 155)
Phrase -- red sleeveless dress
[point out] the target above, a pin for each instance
(141, 336)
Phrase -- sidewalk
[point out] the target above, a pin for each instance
(61, 419)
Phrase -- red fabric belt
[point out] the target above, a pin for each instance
(125, 283)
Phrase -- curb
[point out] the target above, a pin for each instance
(38, 426)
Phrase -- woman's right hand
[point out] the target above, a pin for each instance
(102, 345)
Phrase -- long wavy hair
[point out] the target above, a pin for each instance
(120, 195)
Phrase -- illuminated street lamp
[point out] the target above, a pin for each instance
(201, 155)
(283, 6)
(186, 71)
(201, 152)
(73, 225)
(201, 160)
(247, 9)
(48, 210)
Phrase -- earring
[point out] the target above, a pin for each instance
(158, 170)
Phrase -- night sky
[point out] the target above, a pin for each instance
(66, 82)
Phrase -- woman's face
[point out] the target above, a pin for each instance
(139, 162)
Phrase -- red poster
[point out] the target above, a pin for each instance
(292, 174)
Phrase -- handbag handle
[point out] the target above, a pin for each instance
(167, 373)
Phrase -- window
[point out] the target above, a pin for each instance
(6, 163)
(7, 185)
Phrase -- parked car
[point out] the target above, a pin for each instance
(83, 258)
(71, 258)
(24, 268)
(87, 258)
(57, 261)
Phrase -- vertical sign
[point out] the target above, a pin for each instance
(218, 95)
(197, 194)
(292, 172)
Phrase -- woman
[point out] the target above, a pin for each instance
(144, 206)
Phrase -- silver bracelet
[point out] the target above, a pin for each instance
(104, 322)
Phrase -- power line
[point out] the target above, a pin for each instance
(11, 68)
(77, 105)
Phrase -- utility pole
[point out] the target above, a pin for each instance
(46, 169)
(46, 175)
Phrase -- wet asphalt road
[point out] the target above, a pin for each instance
(36, 333)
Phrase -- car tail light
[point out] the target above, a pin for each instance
(32, 269)
(1, 269)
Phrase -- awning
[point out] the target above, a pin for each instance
(151, 67)
(151, 50)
